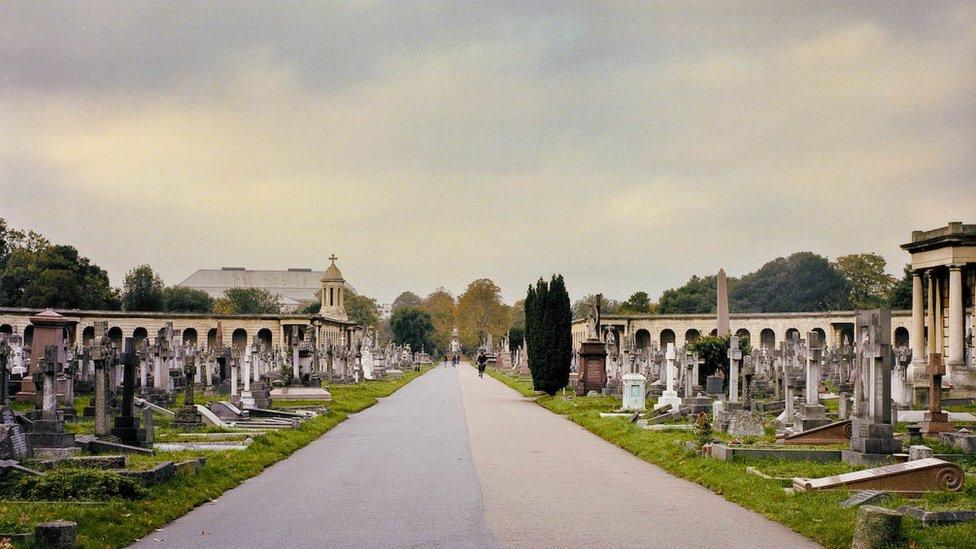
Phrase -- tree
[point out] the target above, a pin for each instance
(697, 296)
(249, 301)
(803, 281)
(900, 296)
(559, 345)
(362, 310)
(638, 302)
(581, 307)
(548, 319)
(870, 286)
(533, 319)
(406, 299)
(480, 312)
(34, 273)
(142, 290)
(179, 299)
(440, 306)
(713, 351)
(412, 326)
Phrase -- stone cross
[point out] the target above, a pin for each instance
(161, 356)
(936, 421)
(735, 356)
(814, 359)
(5, 351)
(190, 370)
(872, 391)
(235, 365)
(100, 353)
(295, 365)
(49, 369)
(748, 371)
(669, 368)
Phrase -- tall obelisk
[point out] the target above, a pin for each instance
(722, 307)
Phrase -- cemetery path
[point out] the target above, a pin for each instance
(548, 482)
(398, 474)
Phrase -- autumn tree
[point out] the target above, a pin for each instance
(869, 284)
(440, 306)
(480, 312)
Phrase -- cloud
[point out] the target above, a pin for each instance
(627, 146)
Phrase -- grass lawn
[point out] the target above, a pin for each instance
(817, 515)
(119, 522)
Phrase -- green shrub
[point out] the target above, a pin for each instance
(80, 484)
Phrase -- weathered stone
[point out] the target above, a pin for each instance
(59, 534)
(938, 518)
(919, 452)
(961, 440)
(746, 423)
(876, 527)
(862, 498)
(912, 477)
(838, 432)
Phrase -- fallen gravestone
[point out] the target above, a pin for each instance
(876, 527)
(862, 498)
(937, 518)
(912, 477)
(838, 432)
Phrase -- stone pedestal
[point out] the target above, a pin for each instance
(49, 433)
(128, 430)
(871, 442)
(188, 416)
(810, 416)
(593, 367)
(261, 394)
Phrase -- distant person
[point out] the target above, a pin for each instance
(482, 363)
(456, 360)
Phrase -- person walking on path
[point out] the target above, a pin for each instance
(482, 362)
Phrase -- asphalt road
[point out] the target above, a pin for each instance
(452, 460)
(548, 482)
(398, 474)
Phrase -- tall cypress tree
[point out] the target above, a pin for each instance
(531, 325)
(559, 339)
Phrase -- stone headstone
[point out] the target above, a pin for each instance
(713, 385)
(862, 498)
(876, 527)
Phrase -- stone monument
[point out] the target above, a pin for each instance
(872, 428)
(936, 421)
(593, 354)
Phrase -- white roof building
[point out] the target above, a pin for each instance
(294, 287)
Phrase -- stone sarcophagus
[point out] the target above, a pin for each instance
(912, 477)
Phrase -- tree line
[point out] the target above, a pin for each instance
(801, 282)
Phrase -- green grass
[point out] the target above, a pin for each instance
(117, 522)
(817, 515)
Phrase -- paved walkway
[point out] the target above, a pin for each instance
(548, 482)
(430, 468)
(398, 474)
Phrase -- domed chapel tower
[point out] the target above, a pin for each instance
(333, 290)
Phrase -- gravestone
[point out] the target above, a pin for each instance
(592, 354)
(714, 385)
(669, 398)
(735, 358)
(872, 428)
(127, 424)
(46, 434)
(745, 423)
(811, 413)
(188, 415)
(911, 478)
(936, 421)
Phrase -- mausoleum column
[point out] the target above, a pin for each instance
(916, 371)
(933, 348)
(956, 324)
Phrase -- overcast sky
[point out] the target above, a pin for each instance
(625, 145)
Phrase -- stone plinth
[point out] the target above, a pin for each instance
(810, 416)
(49, 433)
(300, 393)
(871, 442)
(188, 416)
(128, 430)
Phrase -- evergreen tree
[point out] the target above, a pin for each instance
(559, 339)
(531, 324)
(142, 290)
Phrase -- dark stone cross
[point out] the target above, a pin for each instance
(127, 425)
(936, 421)
(190, 370)
(5, 351)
